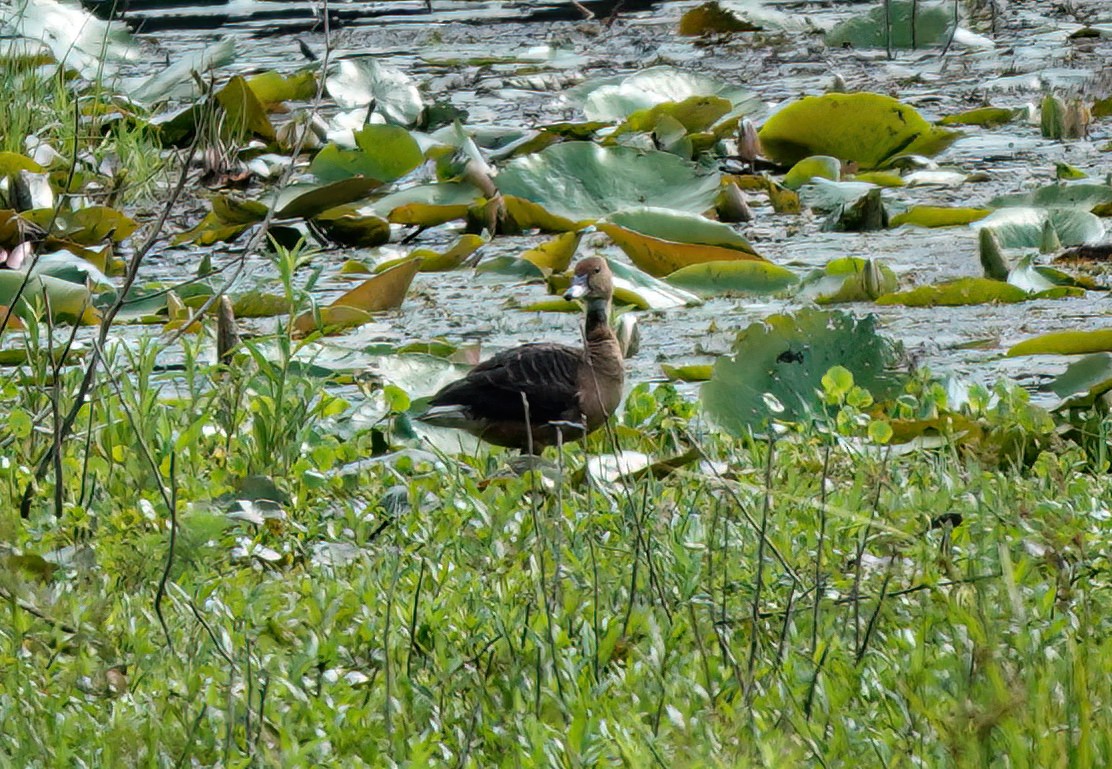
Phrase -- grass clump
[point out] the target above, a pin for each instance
(812, 600)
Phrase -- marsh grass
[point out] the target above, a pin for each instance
(418, 609)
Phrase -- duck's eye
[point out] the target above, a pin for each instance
(598, 269)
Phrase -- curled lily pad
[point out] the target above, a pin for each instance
(1083, 381)
(1025, 227)
(866, 128)
(616, 98)
(244, 114)
(695, 113)
(581, 181)
(68, 302)
(822, 166)
(273, 87)
(437, 261)
(1082, 195)
(362, 81)
(850, 279)
(427, 205)
(634, 287)
(1064, 343)
(384, 291)
(1034, 277)
(733, 277)
(661, 241)
(554, 255)
(308, 200)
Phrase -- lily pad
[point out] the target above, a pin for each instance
(69, 302)
(1084, 381)
(895, 24)
(350, 225)
(866, 128)
(385, 153)
(1083, 195)
(967, 291)
(695, 372)
(730, 278)
(634, 287)
(582, 181)
(554, 255)
(988, 117)
(307, 200)
(1064, 343)
(938, 216)
(384, 291)
(850, 279)
(1022, 227)
(661, 241)
(427, 205)
(822, 166)
(786, 357)
(442, 261)
(362, 81)
(244, 114)
(616, 98)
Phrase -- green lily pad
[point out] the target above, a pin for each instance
(695, 113)
(350, 226)
(427, 205)
(695, 372)
(786, 357)
(730, 278)
(966, 291)
(1064, 343)
(896, 24)
(634, 287)
(244, 114)
(1083, 381)
(822, 166)
(273, 87)
(385, 153)
(938, 216)
(581, 181)
(849, 279)
(1084, 195)
(661, 241)
(307, 200)
(69, 302)
(867, 128)
(1034, 277)
(988, 117)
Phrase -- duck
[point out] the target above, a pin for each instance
(544, 393)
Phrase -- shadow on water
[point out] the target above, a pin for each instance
(283, 16)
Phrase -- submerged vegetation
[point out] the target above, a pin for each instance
(229, 541)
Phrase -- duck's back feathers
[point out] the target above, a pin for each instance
(546, 373)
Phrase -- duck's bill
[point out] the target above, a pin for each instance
(578, 288)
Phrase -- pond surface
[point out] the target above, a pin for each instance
(1032, 52)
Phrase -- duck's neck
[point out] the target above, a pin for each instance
(598, 319)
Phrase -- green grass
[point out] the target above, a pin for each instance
(483, 621)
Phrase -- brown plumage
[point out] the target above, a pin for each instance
(565, 389)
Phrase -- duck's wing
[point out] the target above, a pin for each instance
(546, 374)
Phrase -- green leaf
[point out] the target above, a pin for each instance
(350, 225)
(1083, 381)
(712, 18)
(988, 117)
(895, 24)
(787, 356)
(661, 241)
(613, 99)
(966, 291)
(308, 200)
(938, 216)
(582, 181)
(1083, 195)
(385, 153)
(272, 87)
(822, 166)
(1017, 227)
(69, 302)
(866, 128)
(728, 278)
(427, 205)
(698, 372)
(849, 279)
(244, 114)
(1064, 343)
(632, 286)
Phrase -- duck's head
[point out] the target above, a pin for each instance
(592, 281)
